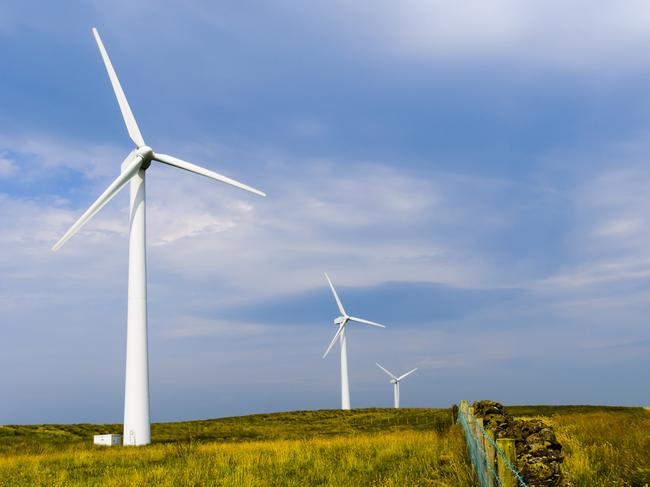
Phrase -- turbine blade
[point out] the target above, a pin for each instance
(386, 371)
(407, 374)
(105, 197)
(372, 323)
(338, 333)
(127, 114)
(173, 161)
(336, 296)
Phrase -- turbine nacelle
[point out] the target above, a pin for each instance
(341, 320)
(145, 152)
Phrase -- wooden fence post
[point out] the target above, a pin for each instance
(464, 406)
(480, 441)
(507, 446)
(490, 453)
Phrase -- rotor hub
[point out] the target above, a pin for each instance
(145, 152)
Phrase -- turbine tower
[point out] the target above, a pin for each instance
(342, 322)
(395, 381)
(137, 429)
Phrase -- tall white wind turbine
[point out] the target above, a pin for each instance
(342, 322)
(136, 390)
(395, 381)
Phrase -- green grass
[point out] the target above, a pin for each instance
(603, 445)
(543, 410)
(360, 447)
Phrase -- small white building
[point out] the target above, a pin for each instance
(108, 440)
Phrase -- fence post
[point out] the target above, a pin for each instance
(490, 454)
(507, 446)
(464, 405)
(478, 424)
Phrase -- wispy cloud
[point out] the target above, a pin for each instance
(193, 326)
(7, 167)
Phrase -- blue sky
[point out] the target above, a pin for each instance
(475, 176)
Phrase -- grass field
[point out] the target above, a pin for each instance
(360, 447)
(603, 446)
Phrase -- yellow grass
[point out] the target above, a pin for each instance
(604, 448)
(387, 459)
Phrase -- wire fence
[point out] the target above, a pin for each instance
(492, 459)
(438, 423)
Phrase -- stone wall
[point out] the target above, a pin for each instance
(539, 454)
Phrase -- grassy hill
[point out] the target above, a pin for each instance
(359, 447)
(603, 446)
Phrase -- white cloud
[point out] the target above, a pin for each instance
(572, 36)
(611, 234)
(193, 326)
(368, 225)
(619, 228)
(600, 271)
(41, 154)
(7, 167)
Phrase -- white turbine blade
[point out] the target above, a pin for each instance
(338, 333)
(372, 323)
(407, 374)
(173, 161)
(105, 197)
(386, 371)
(127, 114)
(336, 296)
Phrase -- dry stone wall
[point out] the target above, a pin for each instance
(539, 454)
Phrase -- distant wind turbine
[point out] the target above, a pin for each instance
(137, 429)
(342, 322)
(395, 381)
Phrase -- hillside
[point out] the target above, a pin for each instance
(602, 446)
(359, 447)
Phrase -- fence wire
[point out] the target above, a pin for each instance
(477, 454)
(482, 465)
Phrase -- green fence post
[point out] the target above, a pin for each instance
(490, 454)
(507, 446)
(480, 440)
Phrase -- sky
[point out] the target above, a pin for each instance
(472, 174)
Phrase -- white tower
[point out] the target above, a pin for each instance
(342, 322)
(137, 429)
(395, 381)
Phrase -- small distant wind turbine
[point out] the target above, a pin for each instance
(342, 322)
(137, 429)
(395, 381)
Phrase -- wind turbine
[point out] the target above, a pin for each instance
(342, 322)
(395, 381)
(137, 429)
